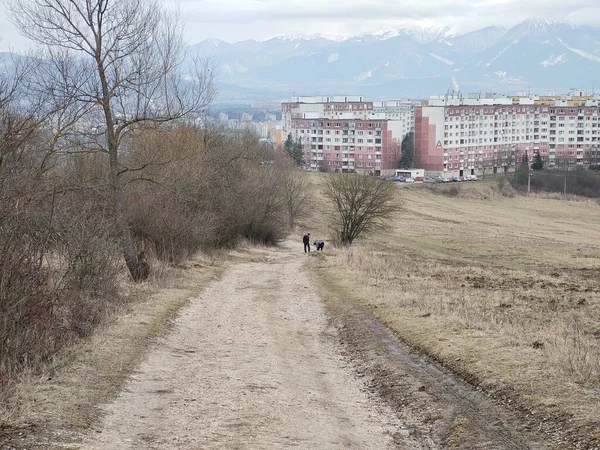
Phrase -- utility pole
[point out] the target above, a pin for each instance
(530, 173)
(566, 175)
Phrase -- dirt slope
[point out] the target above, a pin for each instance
(251, 363)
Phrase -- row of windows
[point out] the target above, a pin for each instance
(535, 138)
(337, 155)
(339, 148)
(560, 124)
(346, 140)
(344, 132)
(491, 164)
(521, 131)
(521, 110)
(338, 163)
(522, 118)
(337, 124)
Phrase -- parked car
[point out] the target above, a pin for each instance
(419, 179)
(428, 180)
(455, 179)
(398, 179)
(410, 180)
(472, 177)
(440, 180)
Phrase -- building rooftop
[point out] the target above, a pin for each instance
(457, 99)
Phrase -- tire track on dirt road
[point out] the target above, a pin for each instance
(465, 417)
(251, 363)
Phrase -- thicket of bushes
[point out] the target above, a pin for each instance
(187, 189)
(216, 184)
(57, 255)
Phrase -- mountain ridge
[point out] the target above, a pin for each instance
(413, 61)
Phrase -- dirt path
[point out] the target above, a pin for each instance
(254, 362)
(251, 363)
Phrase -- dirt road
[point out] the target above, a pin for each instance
(254, 362)
(251, 363)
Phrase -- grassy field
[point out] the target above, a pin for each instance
(503, 289)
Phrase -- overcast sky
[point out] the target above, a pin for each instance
(235, 20)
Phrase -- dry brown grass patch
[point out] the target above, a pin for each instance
(505, 293)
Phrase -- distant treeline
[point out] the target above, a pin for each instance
(577, 181)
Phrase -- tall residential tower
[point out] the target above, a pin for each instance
(348, 134)
(467, 135)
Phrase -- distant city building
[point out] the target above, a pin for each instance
(348, 133)
(467, 135)
(246, 117)
(223, 118)
(271, 117)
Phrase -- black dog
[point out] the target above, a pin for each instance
(319, 245)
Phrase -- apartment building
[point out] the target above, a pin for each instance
(470, 135)
(348, 134)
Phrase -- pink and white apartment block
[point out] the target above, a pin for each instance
(348, 134)
(471, 135)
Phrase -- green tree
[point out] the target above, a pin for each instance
(408, 151)
(538, 162)
(293, 149)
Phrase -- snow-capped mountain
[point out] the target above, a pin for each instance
(308, 37)
(414, 61)
(420, 34)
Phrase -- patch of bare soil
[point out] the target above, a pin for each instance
(251, 363)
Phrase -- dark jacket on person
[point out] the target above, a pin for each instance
(306, 239)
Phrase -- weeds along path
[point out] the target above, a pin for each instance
(251, 363)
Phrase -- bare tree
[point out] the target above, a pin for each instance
(112, 66)
(295, 191)
(360, 205)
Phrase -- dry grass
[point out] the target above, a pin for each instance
(505, 291)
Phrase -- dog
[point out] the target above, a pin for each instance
(319, 245)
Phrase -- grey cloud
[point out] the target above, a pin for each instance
(259, 19)
(267, 10)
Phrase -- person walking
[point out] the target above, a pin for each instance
(306, 241)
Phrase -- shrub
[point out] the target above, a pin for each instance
(360, 205)
(57, 261)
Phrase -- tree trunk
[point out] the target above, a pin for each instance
(138, 269)
(138, 273)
